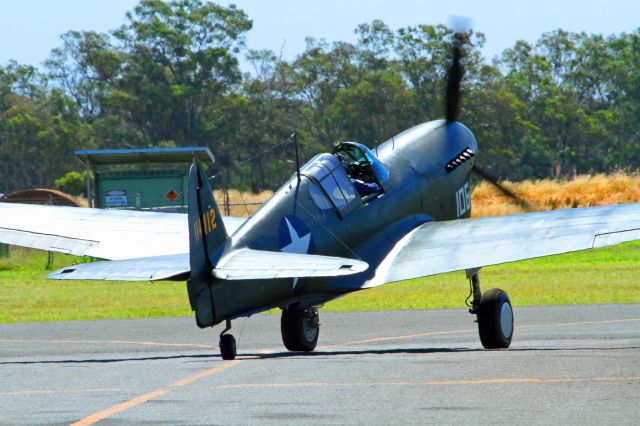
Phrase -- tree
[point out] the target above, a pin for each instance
(86, 67)
(73, 183)
(180, 64)
(424, 57)
(373, 110)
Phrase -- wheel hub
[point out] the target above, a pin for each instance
(310, 324)
(506, 320)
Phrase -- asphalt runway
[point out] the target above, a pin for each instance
(567, 365)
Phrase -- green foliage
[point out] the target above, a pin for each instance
(73, 183)
(567, 104)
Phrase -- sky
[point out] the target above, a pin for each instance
(29, 29)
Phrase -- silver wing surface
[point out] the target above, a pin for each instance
(237, 265)
(143, 269)
(438, 247)
(106, 234)
(246, 264)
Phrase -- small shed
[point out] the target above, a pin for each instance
(50, 197)
(143, 179)
(40, 196)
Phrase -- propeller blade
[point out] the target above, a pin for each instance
(484, 174)
(454, 77)
(452, 108)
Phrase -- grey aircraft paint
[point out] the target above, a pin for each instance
(418, 189)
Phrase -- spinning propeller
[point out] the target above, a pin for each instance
(452, 108)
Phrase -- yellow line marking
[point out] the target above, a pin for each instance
(580, 323)
(59, 391)
(108, 412)
(355, 342)
(205, 373)
(112, 342)
(515, 380)
(100, 415)
(285, 385)
(96, 417)
(531, 380)
(440, 333)
(408, 336)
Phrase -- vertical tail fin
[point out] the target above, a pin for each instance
(207, 234)
(207, 238)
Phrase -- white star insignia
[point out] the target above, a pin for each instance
(299, 244)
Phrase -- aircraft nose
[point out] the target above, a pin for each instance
(460, 137)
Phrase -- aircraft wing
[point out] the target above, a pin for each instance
(237, 265)
(438, 247)
(106, 234)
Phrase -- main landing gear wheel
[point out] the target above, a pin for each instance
(300, 329)
(495, 319)
(227, 343)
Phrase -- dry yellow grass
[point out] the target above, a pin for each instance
(582, 191)
(240, 199)
(81, 200)
(545, 194)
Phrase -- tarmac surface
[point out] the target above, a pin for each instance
(567, 365)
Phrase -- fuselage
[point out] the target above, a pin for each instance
(427, 180)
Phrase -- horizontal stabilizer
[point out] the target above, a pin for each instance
(238, 265)
(244, 264)
(142, 269)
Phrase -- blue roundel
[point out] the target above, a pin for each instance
(295, 236)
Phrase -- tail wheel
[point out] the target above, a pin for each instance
(495, 319)
(300, 329)
(228, 346)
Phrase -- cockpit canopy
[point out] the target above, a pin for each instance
(346, 179)
(355, 155)
(326, 170)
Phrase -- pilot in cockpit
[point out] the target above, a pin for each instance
(358, 169)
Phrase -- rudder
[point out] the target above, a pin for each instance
(207, 239)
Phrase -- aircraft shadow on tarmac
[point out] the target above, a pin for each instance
(415, 351)
(258, 356)
(241, 355)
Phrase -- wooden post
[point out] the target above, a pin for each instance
(50, 253)
(295, 142)
(89, 198)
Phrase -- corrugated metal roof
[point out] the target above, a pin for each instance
(146, 155)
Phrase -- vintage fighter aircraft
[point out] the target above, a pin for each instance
(346, 221)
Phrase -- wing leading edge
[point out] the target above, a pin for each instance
(439, 247)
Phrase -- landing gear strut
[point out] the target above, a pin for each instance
(227, 343)
(494, 312)
(300, 328)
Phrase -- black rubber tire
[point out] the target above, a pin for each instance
(495, 319)
(228, 346)
(298, 333)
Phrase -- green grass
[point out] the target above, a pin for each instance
(608, 275)
(25, 294)
(597, 276)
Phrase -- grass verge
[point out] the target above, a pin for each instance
(596, 276)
